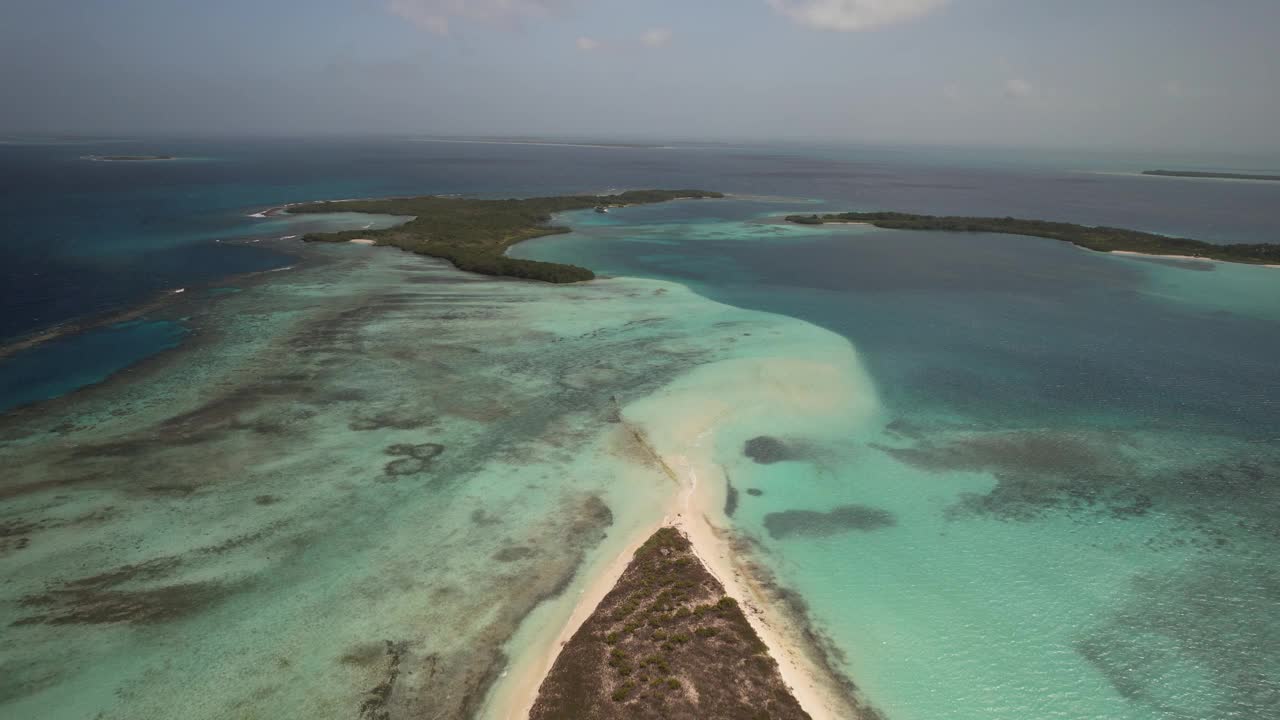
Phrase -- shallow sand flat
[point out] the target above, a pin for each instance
(822, 389)
(345, 495)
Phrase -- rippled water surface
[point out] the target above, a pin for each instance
(1004, 477)
(1067, 505)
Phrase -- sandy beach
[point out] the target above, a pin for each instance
(1168, 257)
(676, 428)
(690, 511)
(1182, 257)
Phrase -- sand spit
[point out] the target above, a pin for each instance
(666, 641)
(678, 427)
(361, 486)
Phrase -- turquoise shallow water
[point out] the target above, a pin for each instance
(1007, 478)
(1065, 506)
(362, 473)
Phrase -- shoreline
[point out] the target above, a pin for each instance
(1131, 253)
(689, 510)
(1098, 238)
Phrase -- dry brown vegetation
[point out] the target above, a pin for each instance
(666, 642)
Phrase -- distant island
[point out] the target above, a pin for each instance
(475, 234)
(1216, 175)
(128, 158)
(1102, 239)
(482, 140)
(666, 642)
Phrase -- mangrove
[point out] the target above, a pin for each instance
(474, 234)
(1100, 238)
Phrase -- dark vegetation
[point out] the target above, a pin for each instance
(666, 642)
(1102, 239)
(475, 234)
(1201, 174)
(123, 158)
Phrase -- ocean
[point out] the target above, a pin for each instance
(1005, 477)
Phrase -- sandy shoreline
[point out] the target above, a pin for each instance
(690, 510)
(710, 545)
(1130, 253)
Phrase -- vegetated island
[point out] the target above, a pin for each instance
(128, 158)
(666, 642)
(475, 234)
(1102, 239)
(1215, 175)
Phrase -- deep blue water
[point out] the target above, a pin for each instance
(1113, 423)
(87, 237)
(997, 329)
(67, 363)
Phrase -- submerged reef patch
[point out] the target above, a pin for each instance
(1036, 471)
(413, 459)
(1214, 624)
(730, 495)
(242, 462)
(114, 597)
(1089, 472)
(810, 523)
(1022, 452)
(514, 553)
(767, 450)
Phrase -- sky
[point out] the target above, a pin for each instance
(1141, 74)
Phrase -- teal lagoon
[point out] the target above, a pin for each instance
(1065, 504)
(1001, 477)
(66, 364)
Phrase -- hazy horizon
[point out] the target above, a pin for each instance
(1136, 74)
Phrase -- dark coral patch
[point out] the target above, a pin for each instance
(98, 599)
(1037, 471)
(1022, 452)
(514, 553)
(422, 451)
(413, 459)
(767, 450)
(755, 492)
(390, 421)
(480, 517)
(810, 523)
(405, 466)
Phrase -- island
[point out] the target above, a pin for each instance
(128, 158)
(474, 234)
(666, 642)
(1101, 238)
(1213, 175)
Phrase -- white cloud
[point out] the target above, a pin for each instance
(587, 44)
(657, 37)
(852, 15)
(1017, 88)
(436, 15)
